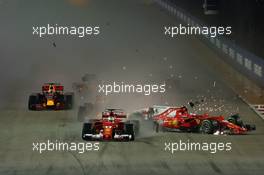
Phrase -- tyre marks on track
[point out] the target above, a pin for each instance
(215, 167)
(79, 162)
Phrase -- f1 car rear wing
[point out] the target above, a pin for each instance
(118, 113)
(51, 87)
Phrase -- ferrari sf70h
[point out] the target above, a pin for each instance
(178, 119)
(112, 126)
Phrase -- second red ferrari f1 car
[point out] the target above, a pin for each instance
(112, 126)
(51, 98)
(178, 118)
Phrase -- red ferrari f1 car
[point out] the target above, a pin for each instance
(112, 126)
(51, 98)
(180, 120)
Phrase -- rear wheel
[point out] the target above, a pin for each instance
(207, 127)
(235, 119)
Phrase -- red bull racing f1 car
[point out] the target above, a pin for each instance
(112, 126)
(178, 119)
(51, 98)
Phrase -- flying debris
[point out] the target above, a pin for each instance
(54, 44)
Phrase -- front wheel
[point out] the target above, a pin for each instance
(32, 101)
(87, 129)
(130, 131)
(207, 127)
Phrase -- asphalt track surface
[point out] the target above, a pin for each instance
(131, 47)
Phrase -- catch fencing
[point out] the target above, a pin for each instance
(242, 60)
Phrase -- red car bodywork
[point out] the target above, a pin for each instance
(180, 119)
(112, 126)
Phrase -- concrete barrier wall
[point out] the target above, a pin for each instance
(247, 63)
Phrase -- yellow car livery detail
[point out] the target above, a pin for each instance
(50, 103)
